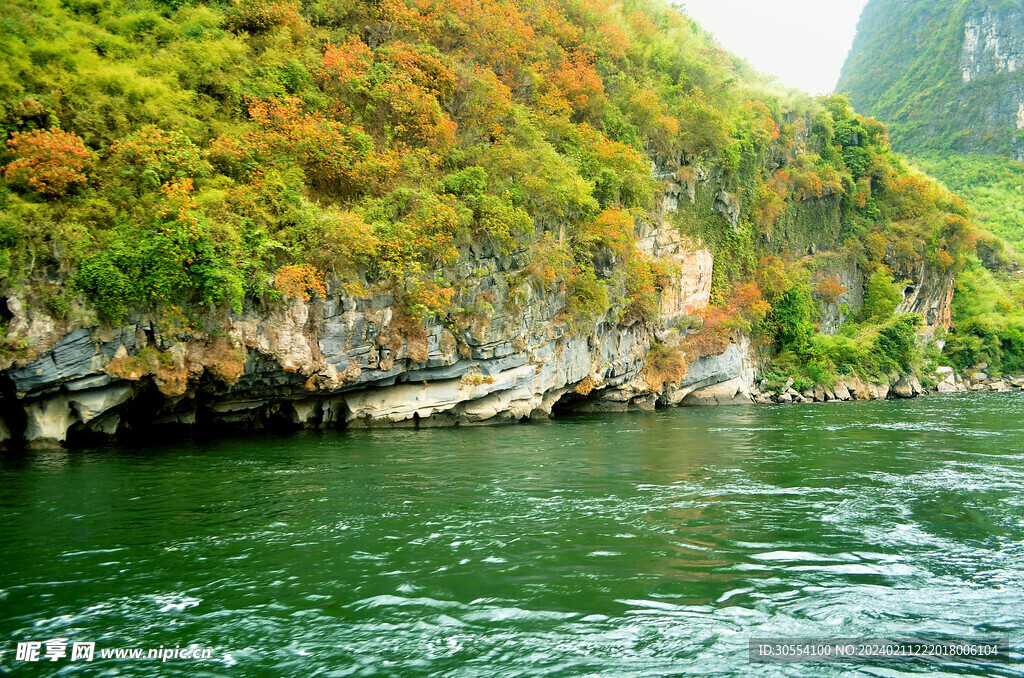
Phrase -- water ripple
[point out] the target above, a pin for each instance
(636, 545)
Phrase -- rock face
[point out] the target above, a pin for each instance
(992, 43)
(344, 361)
(726, 379)
(930, 296)
(992, 51)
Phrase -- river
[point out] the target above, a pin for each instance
(646, 544)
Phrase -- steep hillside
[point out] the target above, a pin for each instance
(948, 79)
(945, 76)
(339, 212)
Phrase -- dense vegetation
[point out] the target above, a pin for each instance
(905, 69)
(184, 159)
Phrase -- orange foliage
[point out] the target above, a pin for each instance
(573, 86)
(300, 282)
(553, 20)
(177, 204)
(613, 228)
(417, 117)
(430, 298)
(829, 289)
(346, 64)
(762, 122)
(862, 193)
(402, 100)
(614, 40)
(230, 154)
(496, 31)
(426, 69)
(49, 161)
(806, 183)
(640, 23)
(742, 309)
(943, 259)
(337, 158)
(913, 195)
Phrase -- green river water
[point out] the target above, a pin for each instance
(646, 544)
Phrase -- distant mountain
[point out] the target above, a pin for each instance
(945, 75)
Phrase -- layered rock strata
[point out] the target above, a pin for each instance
(344, 361)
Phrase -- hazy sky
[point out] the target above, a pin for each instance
(802, 42)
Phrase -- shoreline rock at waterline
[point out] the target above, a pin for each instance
(907, 386)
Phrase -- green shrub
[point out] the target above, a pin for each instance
(881, 295)
(897, 340)
(152, 157)
(104, 279)
(586, 299)
(792, 319)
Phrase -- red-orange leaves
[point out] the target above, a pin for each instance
(615, 229)
(345, 64)
(338, 159)
(427, 298)
(829, 289)
(416, 117)
(614, 41)
(300, 282)
(230, 154)
(642, 24)
(497, 32)
(49, 161)
(742, 308)
(177, 204)
(393, 91)
(574, 86)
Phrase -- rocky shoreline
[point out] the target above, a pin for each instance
(946, 380)
(332, 365)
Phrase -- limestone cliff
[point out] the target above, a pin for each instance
(346, 361)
